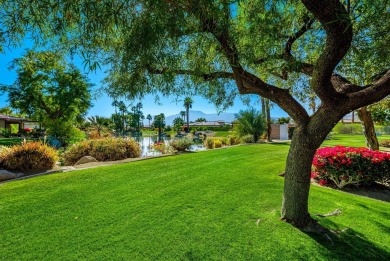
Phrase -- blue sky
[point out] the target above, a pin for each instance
(102, 104)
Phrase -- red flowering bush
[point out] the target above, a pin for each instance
(348, 165)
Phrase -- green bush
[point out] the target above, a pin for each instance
(181, 144)
(225, 141)
(217, 143)
(247, 139)
(6, 133)
(290, 132)
(28, 156)
(352, 128)
(234, 140)
(66, 133)
(102, 150)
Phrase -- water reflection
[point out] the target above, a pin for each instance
(147, 142)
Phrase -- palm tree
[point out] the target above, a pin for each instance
(99, 124)
(188, 104)
(115, 103)
(149, 118)
(159, 122)
(123, 109)
(183, 115)
(250, 122)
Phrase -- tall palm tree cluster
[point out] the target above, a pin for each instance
(125, 120)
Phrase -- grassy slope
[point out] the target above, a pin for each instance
(169, 209)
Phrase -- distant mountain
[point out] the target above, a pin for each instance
(224, 116)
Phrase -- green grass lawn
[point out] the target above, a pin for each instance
(213, 205)
(224, 133)
(351, 140)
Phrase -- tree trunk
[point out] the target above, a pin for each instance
(268, 110)
(188, 118)
(368, 128)
(263, 111)
(297, 180)
(353, 117)
(306, 139)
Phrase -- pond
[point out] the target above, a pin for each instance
(147, 142)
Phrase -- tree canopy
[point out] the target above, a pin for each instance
(47, 88)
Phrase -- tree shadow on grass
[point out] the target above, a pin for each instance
(287, 143)
(348, 244)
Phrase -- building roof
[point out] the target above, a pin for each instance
(208, 124)
(12, 118)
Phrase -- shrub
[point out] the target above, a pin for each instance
(234, 140)
(217, 143)
(347, 165)
(209, 143)
(385, 143)
(65, 132)
(181, 144)
(102, 150)
(351, 128)
(290, 132)
(247, 139)
(214, 142)
(162, 147)
(6, 133)
(28, 156)
(225, 141)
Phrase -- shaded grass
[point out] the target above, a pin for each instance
(213, 205)
(10, 141)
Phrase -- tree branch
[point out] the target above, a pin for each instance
(371, 93)
(307, 22)
(293, 65)
(205, 76)
(337, 24)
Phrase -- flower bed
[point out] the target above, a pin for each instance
(350, 166)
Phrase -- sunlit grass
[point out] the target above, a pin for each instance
(213, 205)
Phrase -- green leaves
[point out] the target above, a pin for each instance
(48, 89)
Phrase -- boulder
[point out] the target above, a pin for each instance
(6, 175)
(85, 159)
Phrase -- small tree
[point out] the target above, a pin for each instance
(250, 122)
(159, 122)
(178, 124)
(50, 90)
(149, 118)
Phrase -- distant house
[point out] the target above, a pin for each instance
(279, 131)
(208, 124)
(6, 122)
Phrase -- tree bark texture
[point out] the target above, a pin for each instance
(307, 138)
(368, 128)
(269, 128)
